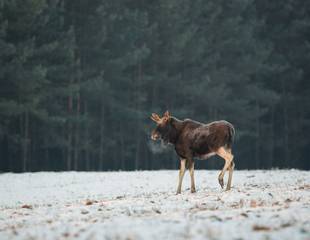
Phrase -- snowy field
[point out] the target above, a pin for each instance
(143, 205)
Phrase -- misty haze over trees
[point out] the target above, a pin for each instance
(79, 80)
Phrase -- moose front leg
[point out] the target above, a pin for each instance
(181, 175)
(231, 169)
(191, 172)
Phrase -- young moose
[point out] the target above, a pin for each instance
(193, 139)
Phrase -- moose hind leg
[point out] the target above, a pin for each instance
(228, 157)
(181, 175)
(191, 172)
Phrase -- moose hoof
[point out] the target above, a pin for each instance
(193, 190)
(178, 192)
(221, 182)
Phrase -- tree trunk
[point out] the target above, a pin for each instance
(101, 146)
(46, 152)
(137, 152)
(138, 136)
(25, 140)
(257, 144)
(63, 156)
(86, 139)
(77, 134)
(69, 147)
(272, 139)
(154, 97)
(5, 153)
(21, 132)
(122, 146)
(286, 145)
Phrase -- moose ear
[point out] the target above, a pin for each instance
(167, 114)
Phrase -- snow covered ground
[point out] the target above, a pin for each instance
(271, 204)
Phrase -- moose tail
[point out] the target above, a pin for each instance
(231, 136)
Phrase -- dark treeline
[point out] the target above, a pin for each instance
(79, 80)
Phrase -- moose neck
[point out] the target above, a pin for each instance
(175, 129)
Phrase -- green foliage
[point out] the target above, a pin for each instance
(78, 79)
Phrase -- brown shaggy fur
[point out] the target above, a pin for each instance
(192, 139)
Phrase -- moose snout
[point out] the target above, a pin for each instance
(154, 136)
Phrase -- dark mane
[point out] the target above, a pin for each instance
(193, 121)
(173, 130)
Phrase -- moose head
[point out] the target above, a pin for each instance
(163, 128)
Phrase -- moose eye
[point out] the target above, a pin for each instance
(160, 129)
